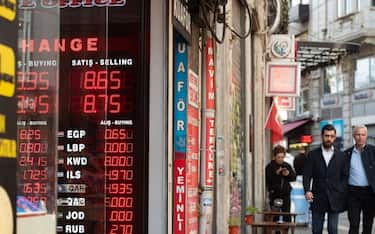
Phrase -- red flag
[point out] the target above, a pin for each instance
(273, 123)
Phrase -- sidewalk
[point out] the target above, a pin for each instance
(307, 230)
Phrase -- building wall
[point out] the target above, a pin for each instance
(326, 25)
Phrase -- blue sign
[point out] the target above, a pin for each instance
(337, 123)
(339, 126)
(180, 94)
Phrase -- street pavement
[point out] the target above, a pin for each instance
(343, 226)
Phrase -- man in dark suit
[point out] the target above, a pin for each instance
(326, 167)
(361, 195)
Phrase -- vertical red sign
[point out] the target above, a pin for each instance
(210, 116)
(210, 76)
(179, 193)
(192, 155)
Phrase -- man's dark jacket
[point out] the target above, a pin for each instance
(329, 185)
(278, 185)
(368, 160)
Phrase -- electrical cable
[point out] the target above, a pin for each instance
(208, 23)
(276, 21)
(243, 3)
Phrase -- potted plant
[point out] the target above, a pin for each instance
(234, 224)
(250, 212)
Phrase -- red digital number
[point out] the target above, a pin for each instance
(109, 103)
(119, 161)
(29, 81)
(119, 202)
(98, 80)
(35, 174)
(33, 147)
(34, 104)
(119, 188)
(34, 188)
(116, 174)
(121, 215)
(118, 133)
(121, 229)
(32, 161)
(118, 147)
(29, 134)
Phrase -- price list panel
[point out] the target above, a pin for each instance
(36, 131)
(102, 162)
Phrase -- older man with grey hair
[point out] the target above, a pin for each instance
(361, 189)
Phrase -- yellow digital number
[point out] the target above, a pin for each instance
(7, 71)
(2, 123)
(7, 148)
(8, 9)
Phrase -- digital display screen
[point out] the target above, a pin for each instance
(102, 163)
(82, 105)
(36, 144)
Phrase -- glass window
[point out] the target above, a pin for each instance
(333, 82)
(297, 2)
(302, 102)
(81, 87)
(365, 73)
(346, 7)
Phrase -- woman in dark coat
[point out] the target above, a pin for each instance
(278, 176)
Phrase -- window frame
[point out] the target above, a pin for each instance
(302, 102)
(339, 88)
(370, 73)
(347, 7)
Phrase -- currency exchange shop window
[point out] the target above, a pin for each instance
(82, 101)
(36, 92)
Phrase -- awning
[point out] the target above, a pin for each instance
(293, 125)
(313, 54)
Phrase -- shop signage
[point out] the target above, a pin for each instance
(283, 79)
(286, 103)
(363, 95)
(282, 46)
(192, 157)
(182, 19)
(180, 134)
(210, 135)
(31, 4)
(306, 139)
(330, 101)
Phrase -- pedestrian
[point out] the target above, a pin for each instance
(326, 168)
(278, 175)
(299, 162)
(361, 192)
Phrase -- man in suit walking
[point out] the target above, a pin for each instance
(327, 168)
(361, 193)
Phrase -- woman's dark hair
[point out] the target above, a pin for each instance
(328, 127)
(279, 149)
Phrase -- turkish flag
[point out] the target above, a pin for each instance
(273, 123)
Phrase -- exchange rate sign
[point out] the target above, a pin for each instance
(36, 120)
(102, 161)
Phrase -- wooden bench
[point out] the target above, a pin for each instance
(269, 227)
(269, 215)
